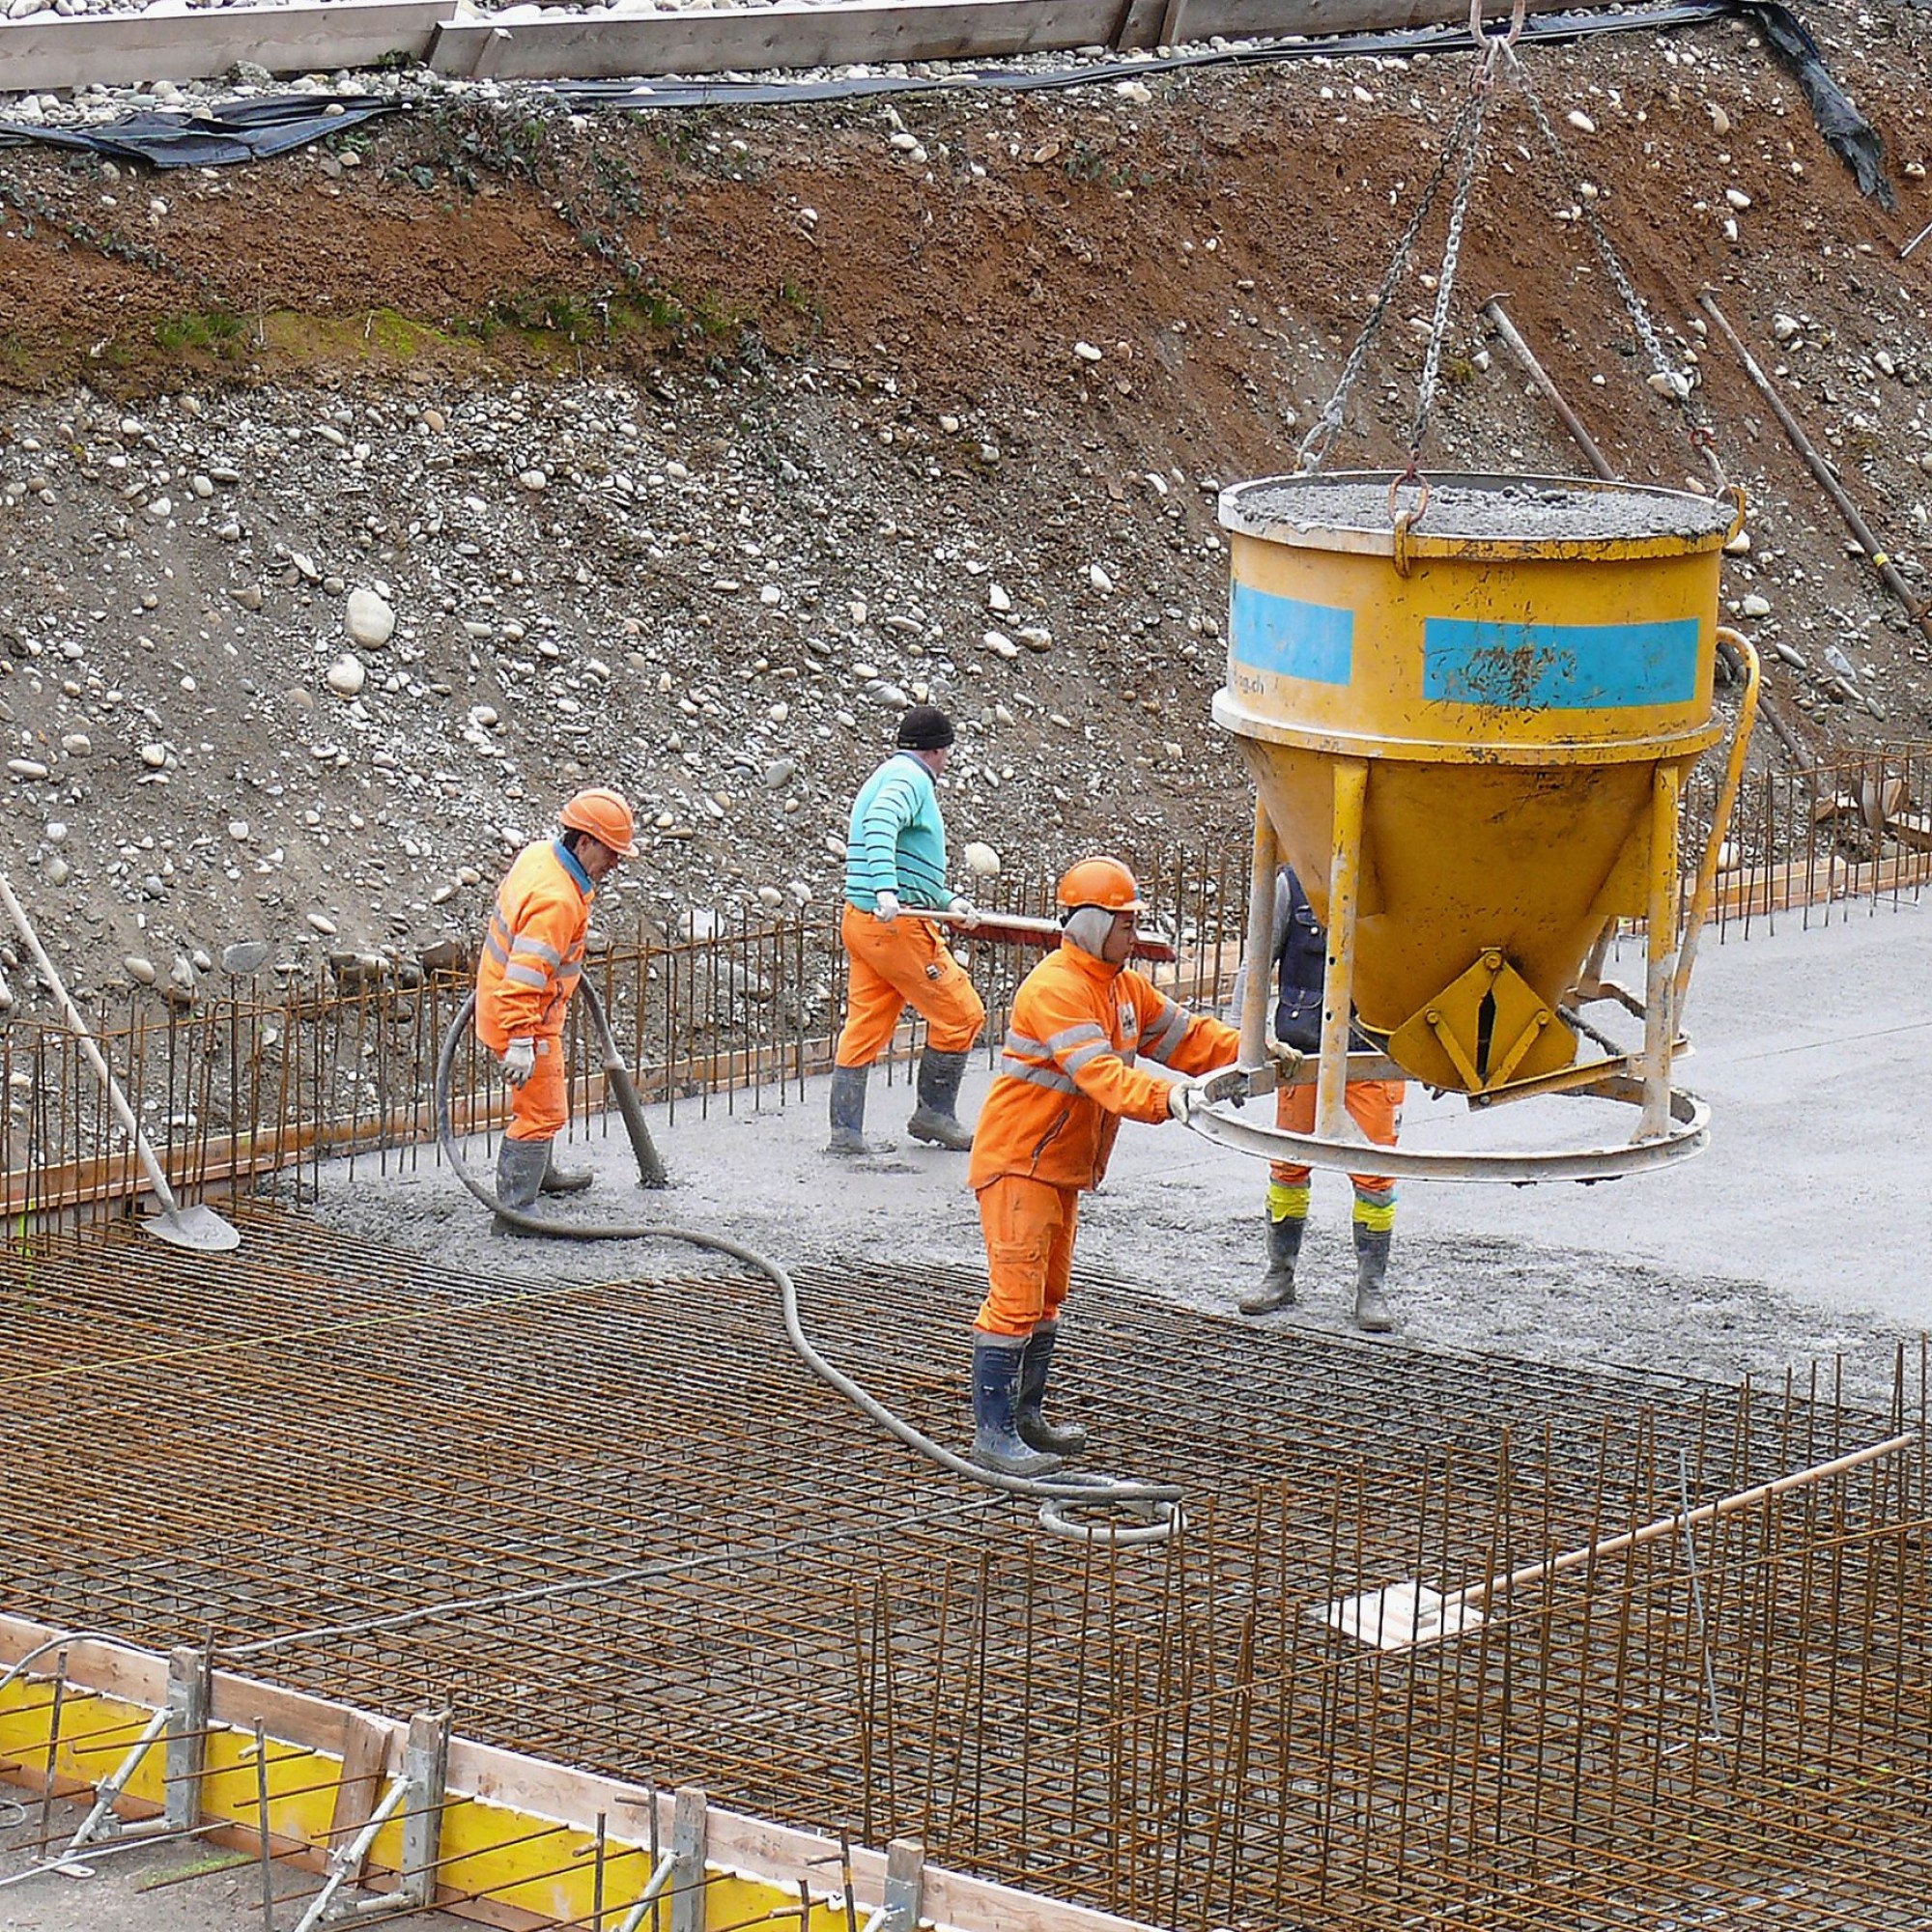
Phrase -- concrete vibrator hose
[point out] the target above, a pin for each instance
(1063, 1500)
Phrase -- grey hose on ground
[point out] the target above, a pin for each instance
(1078, 1491)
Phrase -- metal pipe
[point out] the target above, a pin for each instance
(1261, 936)
(1338, 980)
(1828, 479)
(1534, 370)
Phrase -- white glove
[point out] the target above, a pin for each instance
(885, 906)
(964, 911)
(1182, 1098)
(520, 1061)
(1287, 1058)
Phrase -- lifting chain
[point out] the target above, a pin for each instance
(1667, 380)
(1463, 143)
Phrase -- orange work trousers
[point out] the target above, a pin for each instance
(1030, 1227)
(1374, 1105)
(901, 963)
(538, 1108)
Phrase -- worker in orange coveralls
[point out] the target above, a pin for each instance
(1081, 1021)
(532, 960)
(895, 870)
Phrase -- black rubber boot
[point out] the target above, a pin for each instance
(1028, 1424)
(848, 1113)
(521, 1166)
(1276, 1288)
(936, 1117)
(565, 1180)
(996, 1373)
(1373, 1314)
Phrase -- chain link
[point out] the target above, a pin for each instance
(1316, 445)
(1452, 254)
(1672, 381)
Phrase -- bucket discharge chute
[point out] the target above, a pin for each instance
(1469, 715)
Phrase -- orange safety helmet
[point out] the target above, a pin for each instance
(606, 817)
(1100, 882)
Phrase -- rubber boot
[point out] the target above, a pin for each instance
(848, 1113)
(521, 1166)
(996, 1374)
(1276, 1288)
(936, 1117)
(1028, 1424)
(1372, 1314)
(565, 1180)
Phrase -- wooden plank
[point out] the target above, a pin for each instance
(795, 35)
(365, 1756)
(122, 49)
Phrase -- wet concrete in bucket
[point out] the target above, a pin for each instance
(1529, 509)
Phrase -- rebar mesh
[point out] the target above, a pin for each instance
(617, 1524)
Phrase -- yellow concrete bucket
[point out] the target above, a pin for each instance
(1469, 704)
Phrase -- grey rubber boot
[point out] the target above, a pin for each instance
(936, 1117)
(1276, 1288)
(996, 1373)
(848, 1113)
(1028, 1424)
(565, 1180)
(1372, 1314)
(521, 1166)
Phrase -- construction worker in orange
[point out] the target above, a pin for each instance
(533, 958)
(1301, 956)
(1082, 1023)
(895, 865)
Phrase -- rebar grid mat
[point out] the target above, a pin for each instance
(617, 1524)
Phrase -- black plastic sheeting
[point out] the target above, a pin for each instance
(251, 130)
(221, 135)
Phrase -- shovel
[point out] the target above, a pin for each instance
(195, 1227)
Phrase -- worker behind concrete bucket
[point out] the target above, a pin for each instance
(532, 960)
(1084, 1025)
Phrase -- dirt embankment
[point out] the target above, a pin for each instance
(681, 449)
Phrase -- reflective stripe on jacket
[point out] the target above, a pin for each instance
(1068, 1074)
(533, 951)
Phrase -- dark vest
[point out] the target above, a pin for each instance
(1299, 965)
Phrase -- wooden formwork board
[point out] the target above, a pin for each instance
(516, 1833)
(47, 53)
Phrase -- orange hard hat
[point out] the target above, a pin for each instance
(606, 817)
(1100, 882)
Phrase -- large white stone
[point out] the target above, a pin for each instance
(370, 621)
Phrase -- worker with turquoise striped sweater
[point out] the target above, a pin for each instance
(895, 866)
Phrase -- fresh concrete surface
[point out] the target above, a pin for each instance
(1798, 1237)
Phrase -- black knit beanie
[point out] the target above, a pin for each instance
(925, 728)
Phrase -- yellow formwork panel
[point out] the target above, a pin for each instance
(487, 1852)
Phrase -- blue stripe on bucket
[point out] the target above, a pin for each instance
(1291, 639)
(1559, 666)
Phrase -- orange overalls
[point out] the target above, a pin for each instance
(1067, 1080)
(533, 958)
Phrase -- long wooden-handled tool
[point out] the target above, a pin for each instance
(1011, 929)
(195, 1226)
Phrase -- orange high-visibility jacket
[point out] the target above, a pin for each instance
(533, 952)
(1068, 1075)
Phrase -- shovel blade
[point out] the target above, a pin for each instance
(195, 1227)
(1400, 1616)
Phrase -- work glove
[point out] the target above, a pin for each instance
(885, 906)
(964, 911)
(1182, 1098)
(1287, 1058)
(520, 1061)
